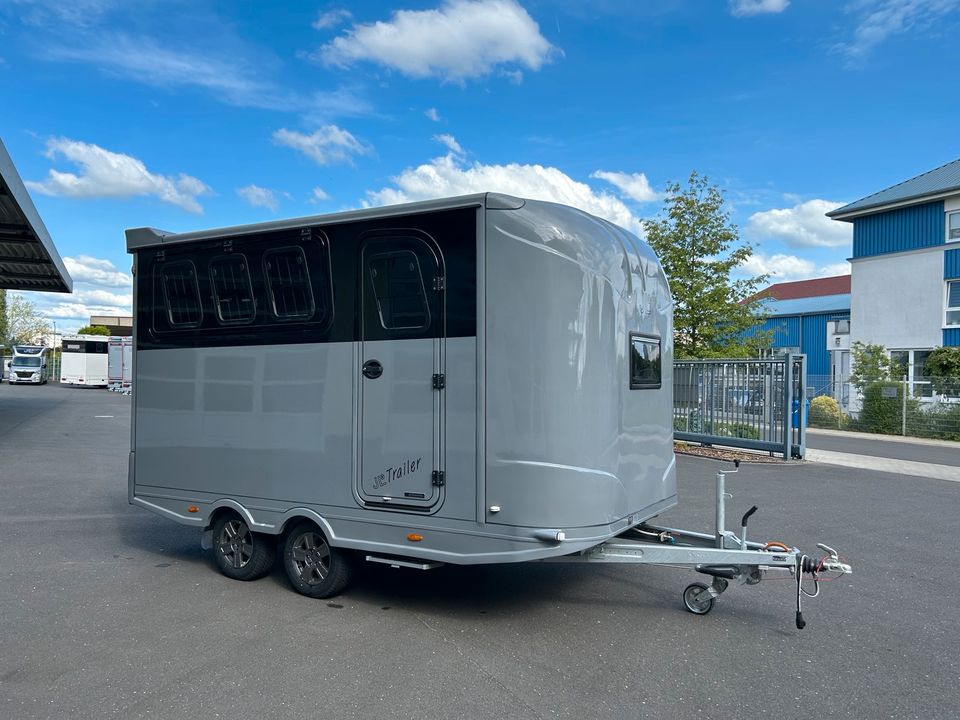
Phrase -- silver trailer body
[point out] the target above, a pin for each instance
(473, 380)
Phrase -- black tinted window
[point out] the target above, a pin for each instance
(644, 362)
(399, 292)
(232, 291)
(181, 294)
(288, 283)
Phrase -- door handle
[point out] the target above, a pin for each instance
(372, 369)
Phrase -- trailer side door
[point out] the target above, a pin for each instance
(401, 369)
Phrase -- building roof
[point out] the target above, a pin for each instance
(28, 258)
(836, 285)
(927, 186)
(807, 305)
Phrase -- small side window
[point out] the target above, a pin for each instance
(953, 226)
(181, 294)
(398, 288)
(288, 283)
(644, 362)
(232, 291)
(953, 303)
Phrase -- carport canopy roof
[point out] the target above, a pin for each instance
(28, 258)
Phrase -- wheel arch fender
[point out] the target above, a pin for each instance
(294, 515)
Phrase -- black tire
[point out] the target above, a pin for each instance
(315, 569)
(696, 599)
(239, 552)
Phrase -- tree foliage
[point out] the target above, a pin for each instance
(943, 369)
(3, 316)
(700, 249)
(871, 364)
(24, 323)
(94, 330)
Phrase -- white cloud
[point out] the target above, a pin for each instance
(96, 271)
(318, 194)
(448, 176)
(80, 13)
(634, 186)
(451, 143)
(785, 268)
(432, 114)
(108, 174)
(746, 8)
(227, 75)
(326, 146)
(459, 40)
(145, 60)
(99, 289)
(331, 18)
(880, 19)
(104, 298)
(803, 225)
(260, 196)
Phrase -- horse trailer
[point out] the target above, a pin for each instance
(481, 379)
(83, 360)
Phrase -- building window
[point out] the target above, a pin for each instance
(911, 364)
(953, 226)
(953, 303)
(288, 281)
(645, 372)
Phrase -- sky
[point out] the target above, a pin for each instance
(192, 114)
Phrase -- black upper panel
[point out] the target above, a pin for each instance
(303, 285)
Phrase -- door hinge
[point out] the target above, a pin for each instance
(438, 478)
(439, 283)
(439, 381)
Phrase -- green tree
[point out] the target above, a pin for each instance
(3, 316)
(871, 364)
(94, 330)
(699, 249)
(24, 323)
(943, 369)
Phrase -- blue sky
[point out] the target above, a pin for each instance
(184, 115)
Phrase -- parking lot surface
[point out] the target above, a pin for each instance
(110, 611)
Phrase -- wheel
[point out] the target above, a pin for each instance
(697, 599)
(240, 553)
(315, 569)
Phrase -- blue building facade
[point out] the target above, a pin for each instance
(803, 325)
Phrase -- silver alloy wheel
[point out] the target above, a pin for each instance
(311, 558)
(235, 544)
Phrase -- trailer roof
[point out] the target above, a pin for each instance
(28, 258)
(138, 238)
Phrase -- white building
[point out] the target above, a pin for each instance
(905, 284)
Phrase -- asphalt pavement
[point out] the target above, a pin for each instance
(110, 611)
(886, 446)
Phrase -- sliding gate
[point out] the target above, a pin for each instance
(753, 404)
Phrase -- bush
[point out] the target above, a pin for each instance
(824, 412)
(739, 430)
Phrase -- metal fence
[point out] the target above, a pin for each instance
(919, 408)
(753, 404)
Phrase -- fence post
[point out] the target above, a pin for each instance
(903, 427)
